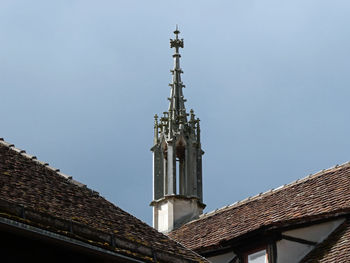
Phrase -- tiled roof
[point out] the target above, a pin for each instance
(325, 193)
(37, 194)
(336, 248)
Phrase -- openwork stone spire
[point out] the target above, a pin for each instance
(177, 157)
(177, 111)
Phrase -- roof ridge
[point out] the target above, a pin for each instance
(46, 165)
(272, 191)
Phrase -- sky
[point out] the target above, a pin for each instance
(81, 80)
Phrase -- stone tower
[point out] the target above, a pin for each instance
(177, 158)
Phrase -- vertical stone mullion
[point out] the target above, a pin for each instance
(171, 171)
(199, 175)
(158, 173)
(182, 178)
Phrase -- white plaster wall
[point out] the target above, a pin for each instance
(316, 233)
(155, 217)
(293, 252)
(163, 217)
(223, 258)
(185, 208)
(170, 212)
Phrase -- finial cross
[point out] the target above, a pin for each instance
(176, 43)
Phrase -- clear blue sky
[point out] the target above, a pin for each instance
(80, 82)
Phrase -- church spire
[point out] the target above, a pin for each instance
(177, 157)
(177, 110)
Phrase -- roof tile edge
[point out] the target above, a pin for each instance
(46, 165)
(271, 191)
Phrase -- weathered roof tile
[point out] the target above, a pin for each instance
(55, 200)
(324, 193)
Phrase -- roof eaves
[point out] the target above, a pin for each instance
(275, 226)
(64, 238)
(78, 231)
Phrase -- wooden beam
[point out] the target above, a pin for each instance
(299, 240)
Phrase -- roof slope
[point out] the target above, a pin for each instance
(321, 194)
(49, 196)
(336, 248)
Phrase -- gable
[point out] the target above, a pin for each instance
(289, 250)
(336, 248)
